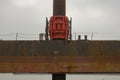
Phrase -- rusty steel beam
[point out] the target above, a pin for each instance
(59, 64)
(60, 48)
(59, 56)
(59, 7)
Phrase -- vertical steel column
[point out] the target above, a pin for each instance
(59, 7)
(46, 29)
(58, 76)
(70, 22)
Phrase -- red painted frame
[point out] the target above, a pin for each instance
(59, 27)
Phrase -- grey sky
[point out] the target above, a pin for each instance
(68, 77)
(28, 16)
(95, 15)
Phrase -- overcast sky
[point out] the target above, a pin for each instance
(28, 16)
(68, 77)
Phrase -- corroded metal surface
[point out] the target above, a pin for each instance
(67, 64)
(60, 48)
(59, 7)
(59, 56)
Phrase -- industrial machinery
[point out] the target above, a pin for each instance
(59, 26)
(59, 55)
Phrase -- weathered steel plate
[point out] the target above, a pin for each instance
(59, 64)
(59, 56)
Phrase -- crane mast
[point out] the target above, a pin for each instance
(59, 28)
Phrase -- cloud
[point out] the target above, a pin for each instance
(88, 15)
(94, 13)
(24, 3)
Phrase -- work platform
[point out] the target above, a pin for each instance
(80, 56)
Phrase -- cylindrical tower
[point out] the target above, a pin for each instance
(59, 7)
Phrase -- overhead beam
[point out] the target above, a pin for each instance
(59, 56)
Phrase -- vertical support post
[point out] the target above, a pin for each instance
(70, 22)
(41, 36)
(75, 35)
(86, 37)
(79, 37)
(92, 36)
(16, 36)
(58, 76)
(46, 30)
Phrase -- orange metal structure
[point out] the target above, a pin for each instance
(59, 27)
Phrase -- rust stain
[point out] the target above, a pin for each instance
(49, 64)
(58, 56)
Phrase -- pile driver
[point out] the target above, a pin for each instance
(59, 26)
